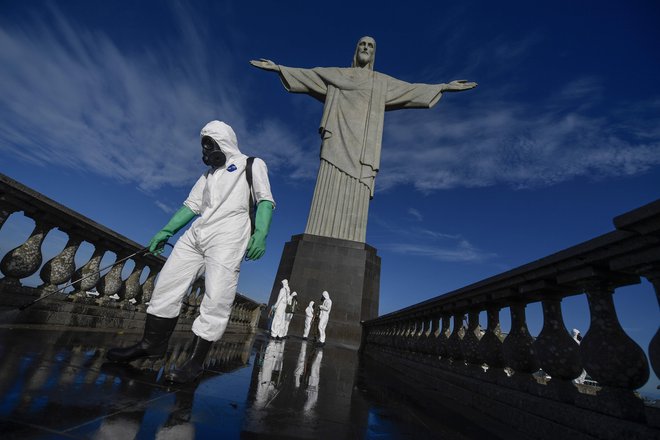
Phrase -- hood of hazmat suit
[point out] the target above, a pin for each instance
(225, 139)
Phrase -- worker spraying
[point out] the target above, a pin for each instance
(214, 245)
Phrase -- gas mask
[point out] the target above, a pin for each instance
(212, 155)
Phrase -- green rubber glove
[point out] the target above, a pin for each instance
(257, 244)
(180, 219)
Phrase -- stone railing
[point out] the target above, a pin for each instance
(98, 300)
(428, 351)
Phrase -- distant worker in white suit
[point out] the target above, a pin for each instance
(309, 316)
(577, 337)
(277, 327)
(291, 308)
(324, 316)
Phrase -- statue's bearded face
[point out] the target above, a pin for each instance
(365, 51)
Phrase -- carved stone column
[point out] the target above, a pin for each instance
(612, 358)
(518, 349)
(60, 269)
(419, 336)
(490, 345)
(111, 282)
(24, 260)
(442, 346)
(432, 337)
(557, 352)
(131, 289)
(454, 341)
(88, 274)
(147, 289)
(653, 275)
(470, 342)
(609, 355)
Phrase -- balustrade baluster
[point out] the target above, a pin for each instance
(131, 288)
(89, 271)
(60, 269)
(442, 346)
(256, 314)
(147, 289)
(608, 354)
(24, 260)
(518, 348)
(198, 296)
(111, 282)
(653, 275)
(454, 341)
(432, 337)
(558, 354)
(418, 336)
(398, 337)
(408, 335)
(470, 342)
(490, 345)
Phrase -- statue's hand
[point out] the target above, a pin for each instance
(458, 85)
(265, 64)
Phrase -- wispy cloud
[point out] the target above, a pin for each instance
(414, 213)
(71, 97)
(463, 251)
(427, 243)
(164, 207)
(517, 144)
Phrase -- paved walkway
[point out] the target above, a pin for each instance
(57, 384)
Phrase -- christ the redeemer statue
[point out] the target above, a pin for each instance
(355, 100)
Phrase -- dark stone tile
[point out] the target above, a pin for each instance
(19, 431)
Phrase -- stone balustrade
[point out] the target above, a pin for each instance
(113, 301)
(505, 370)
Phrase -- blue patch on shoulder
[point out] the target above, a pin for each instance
(231, 168)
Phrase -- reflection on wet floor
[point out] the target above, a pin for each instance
(57, 384)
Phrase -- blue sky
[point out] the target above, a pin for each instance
(102, 102)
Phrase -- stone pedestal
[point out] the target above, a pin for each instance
(348, 270)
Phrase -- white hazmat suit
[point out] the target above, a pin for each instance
(278, 325)
(577, 337)
(290, 310)
(216, 241)
(309, 315)
(324, 316)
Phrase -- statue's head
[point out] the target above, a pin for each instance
(365, 53)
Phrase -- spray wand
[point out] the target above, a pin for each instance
(71, 283)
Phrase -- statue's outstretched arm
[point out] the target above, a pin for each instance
(459, 85)
(265, 64)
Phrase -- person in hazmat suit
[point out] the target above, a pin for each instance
(309, 316)
(324, 316)
(279, 317)
(577, 337)
(215, 244)
(291, 308)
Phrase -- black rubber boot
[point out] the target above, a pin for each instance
(194, 366)
(157, 332)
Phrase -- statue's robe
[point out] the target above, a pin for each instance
(355, 101)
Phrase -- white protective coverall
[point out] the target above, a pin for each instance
(324, 315)
(312, 390)
(577, 337)
(309, 315)
(277, 327)
(216, 241)
(289, 314)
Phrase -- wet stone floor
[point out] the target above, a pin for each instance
(57, 384)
